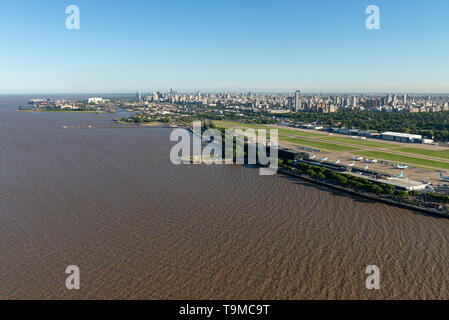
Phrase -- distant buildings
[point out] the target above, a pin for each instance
(290, 103)
(299, 102)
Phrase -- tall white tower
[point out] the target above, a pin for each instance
(297, 100)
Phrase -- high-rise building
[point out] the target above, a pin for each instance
(405, 99)
(338, 101)
(290, 103)
(297, 101)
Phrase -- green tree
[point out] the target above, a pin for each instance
(310, 172)
(401, 194)
(320, 175)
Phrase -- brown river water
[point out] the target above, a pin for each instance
(138, 227)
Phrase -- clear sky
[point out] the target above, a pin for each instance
(229, 45)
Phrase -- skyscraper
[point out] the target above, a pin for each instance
(290, 103)
(297, 101)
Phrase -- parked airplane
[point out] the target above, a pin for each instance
(351, 164)
(325, 158)
(443, 177)
(400, 166)
(312, 157)
(357, 158)
(337, 161)
(400, 175)
(371, 161)
(366, 167)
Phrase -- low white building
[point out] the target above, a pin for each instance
(401, 137)
(67, 106)
(95, 100)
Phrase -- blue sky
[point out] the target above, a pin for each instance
(315, 46)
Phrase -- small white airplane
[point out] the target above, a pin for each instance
(400, 166)
(312, 157)
(366, 167)
(400, 175)
(371, 161)
(325, 158)
(357, 158)
(443, 177)
(351, 164)
(337, 161)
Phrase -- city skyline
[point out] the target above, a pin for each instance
(273, 103)
(233, 46)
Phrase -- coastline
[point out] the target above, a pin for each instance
(428, 211)
(391, 202)
(150, 124)
(68, 111)
(290, 216)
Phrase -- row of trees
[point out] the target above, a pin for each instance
(348, 181)
(432, 197)
(145, 119)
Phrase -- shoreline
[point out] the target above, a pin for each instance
(68, 111)
(150, 125)
(428, 211)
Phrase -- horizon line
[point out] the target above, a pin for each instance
(232, 91)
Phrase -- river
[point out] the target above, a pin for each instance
(110, 202)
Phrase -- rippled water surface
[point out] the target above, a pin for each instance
(111, 202)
